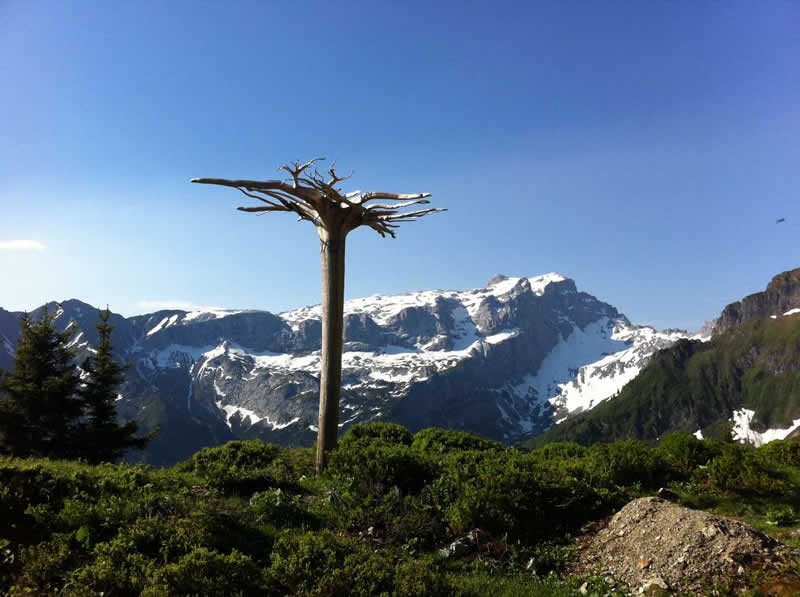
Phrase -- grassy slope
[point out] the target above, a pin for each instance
(250, 518)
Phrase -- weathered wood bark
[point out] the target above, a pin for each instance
(334, 213)
(332, 260)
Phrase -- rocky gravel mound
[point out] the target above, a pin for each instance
(656, 547)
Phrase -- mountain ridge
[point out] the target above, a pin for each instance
(505, 360)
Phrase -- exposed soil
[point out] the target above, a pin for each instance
(655, 547)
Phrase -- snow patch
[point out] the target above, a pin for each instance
(210, 314)
(743, 432)
(539, 283)
(245, 414)
(161, 324)
(593, 364)
(791, 312)
(178, 355)
(75, 340)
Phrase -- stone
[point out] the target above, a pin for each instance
(668, 494)
(456, 549)
(655, 586)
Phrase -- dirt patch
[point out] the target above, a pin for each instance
(668, 548)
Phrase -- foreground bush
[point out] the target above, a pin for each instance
(441, 441)
(249, 518)
(327, 564)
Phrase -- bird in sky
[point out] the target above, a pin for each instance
(779, 220)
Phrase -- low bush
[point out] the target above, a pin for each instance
(208, 573)
(327, 564)
(282, 509)
(239, 467)
(248, 518)
(440, 441)
(684, 452)
(560, 451)
(628, 462)
(738, 469)
(369, 433)
(781, 515)
(513, 495)
(378, 458)
(780, 453)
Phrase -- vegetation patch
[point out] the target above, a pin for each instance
(435, 513)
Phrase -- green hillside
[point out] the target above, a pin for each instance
(249, 518)
(694, 385)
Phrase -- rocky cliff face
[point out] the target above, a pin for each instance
(505, 361)
(781, 296)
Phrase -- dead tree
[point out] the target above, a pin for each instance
(319, 200)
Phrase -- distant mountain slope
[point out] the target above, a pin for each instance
(747, 377)
(9, 334)
(505, 360)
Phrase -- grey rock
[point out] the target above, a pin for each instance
(458, 548)
(668, 494)
(781, 295)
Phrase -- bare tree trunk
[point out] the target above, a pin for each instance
(334, 213)
(332, 245)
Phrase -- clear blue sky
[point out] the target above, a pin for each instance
(643, 148)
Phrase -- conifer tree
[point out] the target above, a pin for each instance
(100, 437)
(39, 405)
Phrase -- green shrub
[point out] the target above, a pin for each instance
(377, 466)
(628, 462)
(560, 451)
(387, 433)
(251, 454)
(512, 495)
(45, 565)
(684, 451)
(281, 509)
(780, 453)
(435, 440)
(328, 565)
(299, 562)
(239, 467)
(738, 469)
(208, 573)
(781, 515)
(124, 564)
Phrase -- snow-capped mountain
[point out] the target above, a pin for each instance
(506, 360)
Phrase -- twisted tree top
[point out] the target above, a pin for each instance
(313, 198)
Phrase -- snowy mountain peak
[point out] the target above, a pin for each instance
(504, 360)
(502, 283)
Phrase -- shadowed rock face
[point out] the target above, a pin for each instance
(782, 295)
(9, 334)
(491, 360)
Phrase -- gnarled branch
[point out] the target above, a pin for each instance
(316, 199)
